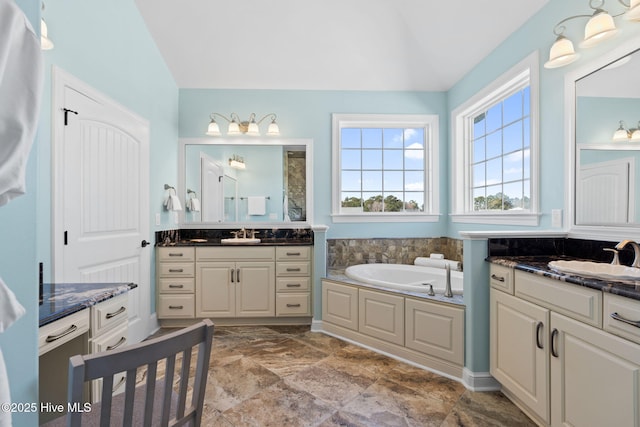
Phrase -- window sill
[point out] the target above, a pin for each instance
(381, 217)
(527, 219)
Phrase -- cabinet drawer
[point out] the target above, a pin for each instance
(176, 306)
(293, 253)
(293, 284)
(235, 254)
(61, 331)
(293, 304)
(176, 286)
(293, 269)
(108, 314)
(176, 269)
(501, 278)
(618, 309)
(176, 254)
(574, 301)
(110, 341)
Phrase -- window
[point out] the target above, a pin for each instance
(495, 148)
(384, 167)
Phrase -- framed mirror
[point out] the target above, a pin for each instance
(245, 182)
(602, 96)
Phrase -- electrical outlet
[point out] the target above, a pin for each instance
(157, 219)
(556, 218)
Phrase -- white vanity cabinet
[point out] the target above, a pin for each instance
(423, 331)
(552, 357)
(176, 282)
(293, 281)
(235, 282)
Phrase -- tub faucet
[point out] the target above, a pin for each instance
(447, 289)
(636, 251)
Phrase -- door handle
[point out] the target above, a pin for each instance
(144, 243)
(538, 330)
(554, 351)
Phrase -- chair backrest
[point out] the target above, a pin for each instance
(160, 402)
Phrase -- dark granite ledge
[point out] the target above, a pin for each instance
(539, 265)
(213, 237)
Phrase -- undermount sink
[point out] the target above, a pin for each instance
(597, 270)
(240, 241)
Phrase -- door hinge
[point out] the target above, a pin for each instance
(66, 115)
(66, 242)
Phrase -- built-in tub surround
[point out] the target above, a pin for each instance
(213, 236)
(342, 253)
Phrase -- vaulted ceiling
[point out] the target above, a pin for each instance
(417, 45)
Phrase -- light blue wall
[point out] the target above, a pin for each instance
(107, 45)
(307, 114)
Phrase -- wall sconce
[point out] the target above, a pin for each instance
(635, 133)
(626, 135)
(45, 41)
(237, 162)
(237, 126)
(600, 27)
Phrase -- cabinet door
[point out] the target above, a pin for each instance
(255, 289)
(520, 350)
(215, 289)
(381, 316)
(340, 305)
(595, 376)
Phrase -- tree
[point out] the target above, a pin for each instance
(352, 202)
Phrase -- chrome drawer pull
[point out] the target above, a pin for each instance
(293, 253)
(293, 269)
(115, 313)
(293, 305)
(176, 307)
(616, 316)
(176, 270)
(176, 286)
(52, 338)
(293, 285)
(118, 344)
(178, 254)
(498, 278)
(554, 334)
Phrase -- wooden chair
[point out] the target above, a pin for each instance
(154, 402)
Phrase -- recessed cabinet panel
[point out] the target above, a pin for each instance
(435, 329)
(215, 290)
(381, 316)
(255, 289)
(340, 305)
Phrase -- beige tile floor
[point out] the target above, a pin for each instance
(289, 376)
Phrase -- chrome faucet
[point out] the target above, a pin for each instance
(636, 251)
(447, 289)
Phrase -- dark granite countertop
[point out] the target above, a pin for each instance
(217, 242)
(213, 237)
(539, 265)
(62, 299)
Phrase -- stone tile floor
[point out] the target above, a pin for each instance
(288, 376)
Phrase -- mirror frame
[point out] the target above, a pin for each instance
(598, 232)
(182, 190)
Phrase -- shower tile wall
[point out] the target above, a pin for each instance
(342, 253)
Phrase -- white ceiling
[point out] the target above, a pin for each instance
(329, 44)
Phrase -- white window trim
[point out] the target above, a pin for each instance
(460, 188)
(432, 172)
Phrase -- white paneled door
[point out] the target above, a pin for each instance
(100, 198)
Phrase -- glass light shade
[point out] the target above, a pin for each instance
(633, 14)
(45, 41)
(621, 134)
(253, 129)
(561, 53)
(236, 164)
(635, 136)
(234, 128)
(213, 129)
(274, 129)
(599, 28)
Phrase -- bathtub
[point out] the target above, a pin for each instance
(405, 277)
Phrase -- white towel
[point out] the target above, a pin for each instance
(438, 263)
(256, 205)
(20, 93)
(10, 308)
(193, 205)
(172, 202)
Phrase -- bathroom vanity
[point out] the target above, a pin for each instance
(260, 283)
(565, 348)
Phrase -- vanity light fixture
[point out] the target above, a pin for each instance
(635, 135)
(621, 134)
(237, 162)
(237, 126)
(45, 41)
(599, 27)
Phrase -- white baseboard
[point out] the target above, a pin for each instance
(479, 381)
(316, 325)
